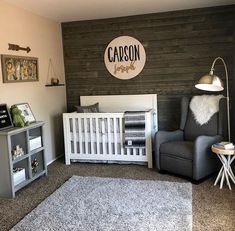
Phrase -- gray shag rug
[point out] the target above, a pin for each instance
(104, 204)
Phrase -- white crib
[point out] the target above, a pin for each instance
(99, 137)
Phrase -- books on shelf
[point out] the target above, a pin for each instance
(224, 145)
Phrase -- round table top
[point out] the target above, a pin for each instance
(222, 151)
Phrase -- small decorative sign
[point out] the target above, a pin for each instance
(124, 57)
(5, 118)
(26, 112)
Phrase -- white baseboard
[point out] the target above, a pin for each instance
(55, 159)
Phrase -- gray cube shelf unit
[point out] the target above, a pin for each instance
(29, 165)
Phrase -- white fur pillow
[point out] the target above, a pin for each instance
(204, 107)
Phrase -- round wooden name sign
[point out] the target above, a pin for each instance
(124, 57)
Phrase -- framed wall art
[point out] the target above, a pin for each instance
(5, 118)
(26, 112)
(19, 68)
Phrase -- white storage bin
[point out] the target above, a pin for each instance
(19, 176)
(35, 142)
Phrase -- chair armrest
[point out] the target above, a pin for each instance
(204, 161)
(163, 137)
(166, 136)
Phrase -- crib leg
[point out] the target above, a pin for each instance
(67, 160)
(149, 156)
(150, 164)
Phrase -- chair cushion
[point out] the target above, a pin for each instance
(181, 149)
(192, 129)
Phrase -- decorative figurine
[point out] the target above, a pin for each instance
(18, 118)
(17, 152)
(55, 81)
(34, 165)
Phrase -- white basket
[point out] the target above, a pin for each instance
(19, 176)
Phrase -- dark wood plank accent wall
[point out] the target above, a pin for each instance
(180, 47)
(232, 92)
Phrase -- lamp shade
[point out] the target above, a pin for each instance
(210, 83)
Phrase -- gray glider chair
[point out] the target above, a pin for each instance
(187, 151)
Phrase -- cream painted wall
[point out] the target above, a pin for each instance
(43, 36)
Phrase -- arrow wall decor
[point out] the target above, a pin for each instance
(15, 47)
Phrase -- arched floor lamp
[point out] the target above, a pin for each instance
(211, 82)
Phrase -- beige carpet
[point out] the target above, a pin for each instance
(213, 209)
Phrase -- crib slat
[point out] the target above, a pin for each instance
(115, 135)
(74, 137)
(134, 151)
(86, 136)
(103, 135)
(109, 136)
(70, 121)
(141, 151)
(80, 135)
(91, 134)
(97, 137)
(121, 135)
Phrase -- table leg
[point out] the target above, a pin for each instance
(219, 175)
(231, 172)
(230, 169)
(226, 162)
(222, 173)
(222, 180)
(227, 171)
(227, 178)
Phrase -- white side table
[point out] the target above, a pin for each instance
(226, 157)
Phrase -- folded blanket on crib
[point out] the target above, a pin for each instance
(134, 131)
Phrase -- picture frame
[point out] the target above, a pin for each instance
(5, 117)
(26, 112)
(19, 69)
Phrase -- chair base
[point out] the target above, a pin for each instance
(193, 181)
(196, 182)
(163, 172)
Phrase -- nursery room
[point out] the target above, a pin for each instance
(117, 116)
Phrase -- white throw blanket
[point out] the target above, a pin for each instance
(204, 107)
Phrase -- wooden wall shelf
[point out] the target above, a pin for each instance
(58, 85)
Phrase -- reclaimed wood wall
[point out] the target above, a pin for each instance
(180, 47)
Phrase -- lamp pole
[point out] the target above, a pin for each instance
(227, 90)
